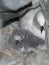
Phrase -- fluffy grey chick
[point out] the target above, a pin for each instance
(24, 39)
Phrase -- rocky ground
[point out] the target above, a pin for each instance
(10, 56)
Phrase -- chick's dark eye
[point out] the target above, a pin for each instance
(21, 36)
